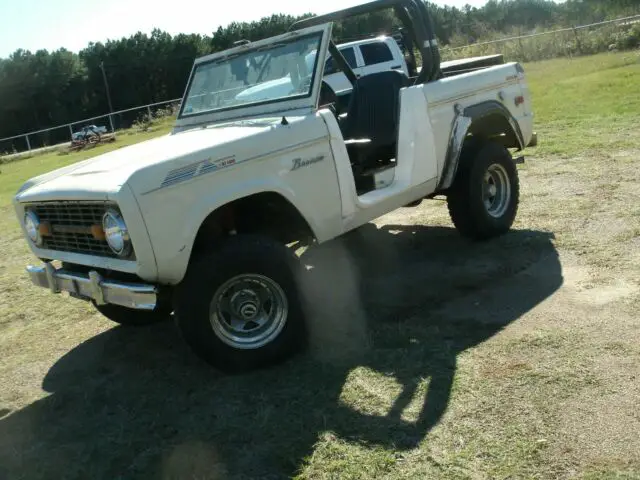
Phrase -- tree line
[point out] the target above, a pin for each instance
(42, 89)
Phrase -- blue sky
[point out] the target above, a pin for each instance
(50, 24)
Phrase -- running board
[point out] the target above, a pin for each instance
(382, 176)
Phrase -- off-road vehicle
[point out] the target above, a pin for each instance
(195, 224)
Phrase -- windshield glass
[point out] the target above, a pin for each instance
(277, 72)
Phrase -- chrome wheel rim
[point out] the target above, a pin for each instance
(248, 311)
(496, 190)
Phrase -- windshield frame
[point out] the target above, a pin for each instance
(305, 101)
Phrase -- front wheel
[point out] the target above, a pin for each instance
(483, 200)
(239, 307)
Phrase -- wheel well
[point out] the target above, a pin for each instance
(489, 121)
(266, 213)
(495, 126)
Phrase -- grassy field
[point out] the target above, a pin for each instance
(518, 358)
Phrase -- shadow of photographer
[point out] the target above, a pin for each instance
(401, 302)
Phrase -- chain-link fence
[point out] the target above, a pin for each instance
(61, 134)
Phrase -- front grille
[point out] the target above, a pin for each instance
(69, 224)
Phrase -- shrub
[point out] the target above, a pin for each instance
(552, 45)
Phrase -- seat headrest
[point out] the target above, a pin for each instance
(388, 78)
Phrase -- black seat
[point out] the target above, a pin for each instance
(373, 114)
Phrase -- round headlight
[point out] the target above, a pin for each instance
(31, 224)
(116, 233)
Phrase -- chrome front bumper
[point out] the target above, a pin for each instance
(94, 287)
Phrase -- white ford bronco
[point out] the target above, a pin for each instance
(196, 224)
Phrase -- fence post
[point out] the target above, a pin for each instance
(149, 112)
(111, 123)
(578, 44)
(28, 143)
(71, 131)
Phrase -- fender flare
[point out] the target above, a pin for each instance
(462, 122)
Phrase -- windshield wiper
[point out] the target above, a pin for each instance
(270, 46)
(225, 58)
(236, 55)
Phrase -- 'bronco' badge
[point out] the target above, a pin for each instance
(299, 163)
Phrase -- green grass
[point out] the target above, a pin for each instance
(430, 357)
(589, 104)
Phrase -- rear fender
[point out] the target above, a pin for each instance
(488, 119)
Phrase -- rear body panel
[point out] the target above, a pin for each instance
(501, 83)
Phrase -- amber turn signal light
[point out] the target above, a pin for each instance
(97, 232)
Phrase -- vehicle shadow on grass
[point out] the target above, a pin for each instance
(402, 301)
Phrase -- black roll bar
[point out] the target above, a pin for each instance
(416, 19)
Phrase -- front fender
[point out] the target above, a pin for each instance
(206, 205)
(188, 214)
(175, 212)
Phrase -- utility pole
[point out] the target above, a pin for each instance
(106, 87)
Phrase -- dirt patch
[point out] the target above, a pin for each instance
(603, 428)
(586, 289)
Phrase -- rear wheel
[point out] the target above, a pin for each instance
(483, 200)
(239, 307)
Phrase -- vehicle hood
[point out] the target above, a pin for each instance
(102, 176)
